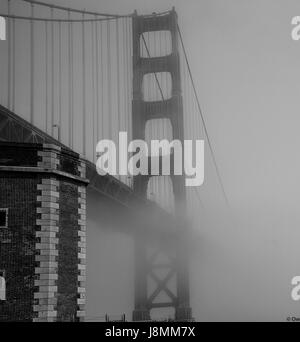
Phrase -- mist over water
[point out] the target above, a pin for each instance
(110, 259)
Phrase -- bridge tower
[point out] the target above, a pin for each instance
(142, 112)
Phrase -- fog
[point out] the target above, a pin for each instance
(110, 256)
(242, 256)
(247, 69)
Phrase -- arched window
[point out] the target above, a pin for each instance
(2, 285)
(3, 218)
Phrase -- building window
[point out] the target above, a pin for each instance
(2, 285)
(3, 218)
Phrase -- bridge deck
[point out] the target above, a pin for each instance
(15, 129)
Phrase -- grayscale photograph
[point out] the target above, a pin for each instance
(149, 163)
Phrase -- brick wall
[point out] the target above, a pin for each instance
(68, 252)
(17, 245)
(41, 251)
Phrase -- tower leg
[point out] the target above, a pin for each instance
(183, 311)
(141, 315)
(141, 311)
(183, 314)
(142, 112)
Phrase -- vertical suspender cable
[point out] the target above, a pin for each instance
(9, 59)
(60, 83)
(160, 50)
(165, 127)
(32, 66)
(52, 73)
(97, 81)
(46, 74)
(83, 89)
(102, 79)
(13, 64)
(130, 74)
(70, 79)
(129, 66)
(123, 124)
(118, 71)
(165, 87)
(127, 61)
(93, 90)
(129, 88)
(109, 81)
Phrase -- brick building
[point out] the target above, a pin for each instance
(42, 233)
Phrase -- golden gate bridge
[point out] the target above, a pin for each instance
(72, 77)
